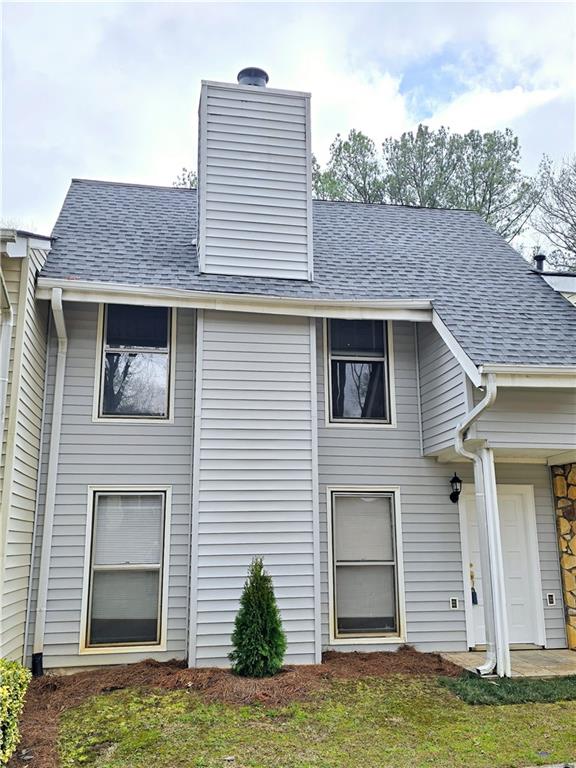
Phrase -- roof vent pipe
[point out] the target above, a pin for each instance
(539, 260)
(253, 76)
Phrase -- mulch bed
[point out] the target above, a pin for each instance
(50, 695)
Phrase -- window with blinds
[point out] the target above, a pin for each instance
(358, 371)
(125, 600)
(364, 564)
(135, 362)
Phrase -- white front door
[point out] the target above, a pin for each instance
(521, 566)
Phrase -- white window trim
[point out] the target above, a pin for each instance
(372, 639)
(146, 647)
(360, 423)
(96, 417)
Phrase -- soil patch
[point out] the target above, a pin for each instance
(50, 695)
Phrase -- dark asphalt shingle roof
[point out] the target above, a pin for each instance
(484, 291)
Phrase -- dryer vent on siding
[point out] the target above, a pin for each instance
(255, 189)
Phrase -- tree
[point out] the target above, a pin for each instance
(258, 639)
(434, 169)
(420, 167)
(187, 179)
(353, 173)
(555, 217)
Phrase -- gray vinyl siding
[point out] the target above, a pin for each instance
(19, 466)
(529, 418)
(442, 390)
(538, 476)
(378, 456)
(373, 456)
(255, 487)
(254, 182)
(113, 454)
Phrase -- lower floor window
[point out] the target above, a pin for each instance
(126, 568)
(365, 576)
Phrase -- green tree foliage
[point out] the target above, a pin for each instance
(555, 217)
(258, 639)
(353, 173)
(186, 178)
(434, 169)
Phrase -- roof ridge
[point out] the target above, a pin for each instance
(133, 184)
(397, 205)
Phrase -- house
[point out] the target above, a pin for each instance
(239, 370)
(23, 326)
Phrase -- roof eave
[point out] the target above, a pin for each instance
(417, 310)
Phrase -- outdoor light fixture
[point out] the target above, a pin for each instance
(456, 485)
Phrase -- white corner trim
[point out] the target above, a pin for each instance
(309, 219)
(196, 450)
(403, 630)
(315, 495)
(202, 172)
(83, 648)
(454, 346)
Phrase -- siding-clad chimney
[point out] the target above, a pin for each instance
(254, 180)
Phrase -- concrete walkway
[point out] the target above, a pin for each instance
(528, 663)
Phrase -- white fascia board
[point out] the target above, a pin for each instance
(542, 376)
(454, 346)
(561, 283)
(565, 457)
(415, 310)
(18, 248)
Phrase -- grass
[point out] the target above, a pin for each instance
(397, 722)
(475, 690)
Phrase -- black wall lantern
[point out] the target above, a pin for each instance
(456, 485)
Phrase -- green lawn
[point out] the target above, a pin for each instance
(372, 723)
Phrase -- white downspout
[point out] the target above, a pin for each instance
(6, 325)
(481, 512)
(503, 665)
(50, 501)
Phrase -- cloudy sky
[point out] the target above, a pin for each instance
(110, 91)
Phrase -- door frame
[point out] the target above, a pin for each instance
(533, 559)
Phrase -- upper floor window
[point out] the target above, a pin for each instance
(136, 362)
(358, 369)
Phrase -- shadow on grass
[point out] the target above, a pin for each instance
(477, 690)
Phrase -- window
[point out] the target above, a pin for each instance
(126, 566)
(358, 370)
(136, 362)
(365, 574)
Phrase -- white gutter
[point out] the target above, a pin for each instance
(481, 513)
(6, 325)
(50, 501)
(416, 310)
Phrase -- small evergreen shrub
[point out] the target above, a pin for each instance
(258, 639)
(14, 679)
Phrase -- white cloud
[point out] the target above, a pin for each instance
(487, 110)
(110, 91)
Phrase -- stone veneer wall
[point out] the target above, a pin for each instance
(564, 481)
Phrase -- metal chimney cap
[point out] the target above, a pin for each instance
(539, 258)
(253, 76)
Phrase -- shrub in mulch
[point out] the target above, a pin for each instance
(50, 695)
